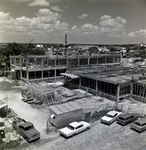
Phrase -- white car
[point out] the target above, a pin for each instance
(74, 128)
(110, 117)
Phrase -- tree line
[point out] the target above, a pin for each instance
(19, 49)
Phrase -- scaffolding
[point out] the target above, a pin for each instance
(44, 93)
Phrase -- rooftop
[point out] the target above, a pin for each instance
(112, 113)
(126, 115)
(65, 108)
(75, 124)
(141, 120)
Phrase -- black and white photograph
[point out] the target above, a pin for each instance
(72, 74)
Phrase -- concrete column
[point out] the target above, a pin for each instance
(27, 75)
(78, 61)
(118, 93)
(80, 83)
(11, 65)
(96, 87)
(55, 74)
(15, 61)
(42, 68)
(21, 62)
(55, 70)
(131, 90)
(42, 76)
(67, 62)
(88, 61)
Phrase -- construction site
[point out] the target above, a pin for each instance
(103, 74)
(53, 91)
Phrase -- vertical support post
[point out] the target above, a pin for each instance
(67, 62)
(131, 90)
(96, 87)
(78, 61)
(42, 69)
(11, 65)
(118, 93)
(80, 82)
(27, 76)
(21, 62)
(88, 60)
(15, 61)
(55, 70)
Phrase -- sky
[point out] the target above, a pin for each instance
(84, 21)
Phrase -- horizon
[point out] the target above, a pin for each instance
(84, 21)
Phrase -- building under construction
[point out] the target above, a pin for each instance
(44, 68)
(139, 90)
(114, 82)
(100, 74)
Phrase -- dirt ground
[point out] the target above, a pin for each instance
(99, 137)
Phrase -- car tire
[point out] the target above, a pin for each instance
(87, 128)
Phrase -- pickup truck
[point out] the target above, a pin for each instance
(26, 130)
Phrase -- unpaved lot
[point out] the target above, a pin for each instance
(99, 137)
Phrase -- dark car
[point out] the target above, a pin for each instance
(126, 118)
(139, 125)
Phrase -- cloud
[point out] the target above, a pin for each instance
(39, 3)
(105, 17)
(87, 29)
(117, 22)
(74, 28)
(83, 16)
(45, 15)
(56, 8)
(60, 26)
(114, 27)
(131, 34)
(44, 23)
(66, 7)
(18, 1)
(4, 15)
(141, 33)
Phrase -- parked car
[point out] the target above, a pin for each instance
(74, 128)
(139, 125)
(127, 118)
(26, 130)
(110, 117)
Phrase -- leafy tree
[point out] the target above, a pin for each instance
(112, 49)
(143, 48)
(18, 49)
(93, 50)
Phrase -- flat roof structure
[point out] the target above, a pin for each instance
(141, 81)
(65, 108)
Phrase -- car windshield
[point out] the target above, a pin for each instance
(108, 115)
(70, 127)
(121, 118)
(28, 128)
(137, 123)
